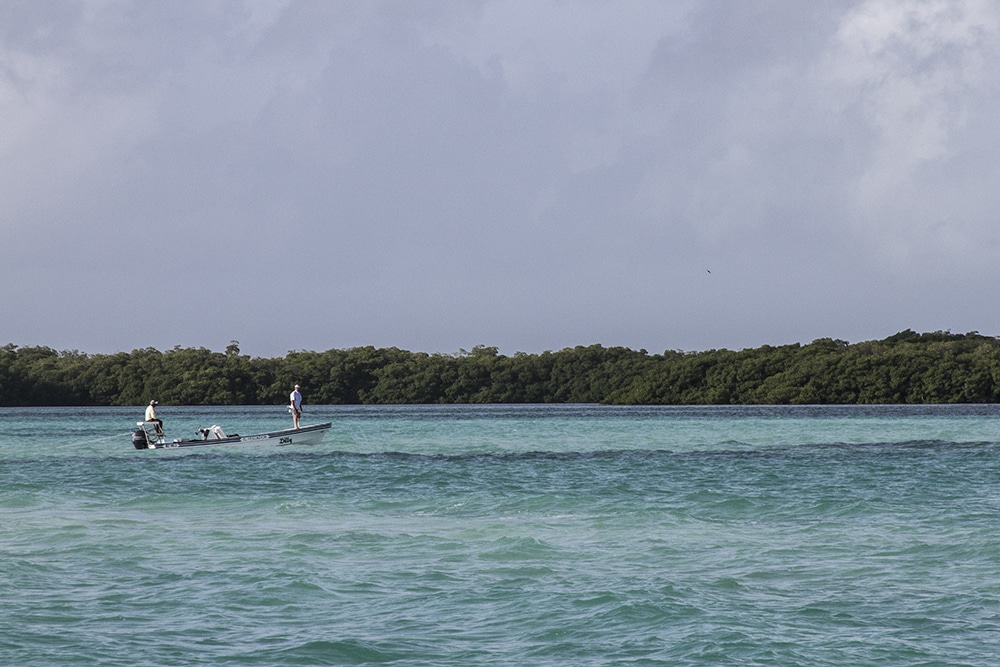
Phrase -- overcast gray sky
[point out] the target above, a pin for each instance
(534, 175)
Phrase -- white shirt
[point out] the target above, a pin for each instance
(296, 399)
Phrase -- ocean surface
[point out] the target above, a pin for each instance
(505, 535)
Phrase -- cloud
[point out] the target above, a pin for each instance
(919, 77)
(311, 174)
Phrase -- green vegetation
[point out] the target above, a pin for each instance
(907, 367)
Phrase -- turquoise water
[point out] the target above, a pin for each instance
(570, 535)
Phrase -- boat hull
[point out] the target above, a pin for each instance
(307, 435)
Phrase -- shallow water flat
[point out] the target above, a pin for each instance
(499, 535)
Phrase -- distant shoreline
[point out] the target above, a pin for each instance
(906, 368)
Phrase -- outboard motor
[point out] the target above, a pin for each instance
(139, 439)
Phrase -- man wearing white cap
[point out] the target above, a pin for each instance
(151, 416)
(296, 406)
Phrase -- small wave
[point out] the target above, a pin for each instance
(326, 652)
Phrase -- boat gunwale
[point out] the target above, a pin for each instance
(245, 439)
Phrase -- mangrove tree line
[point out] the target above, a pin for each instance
(908, 367)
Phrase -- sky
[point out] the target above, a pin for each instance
(525, 174)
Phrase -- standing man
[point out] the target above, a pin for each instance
(296, 407)
(151, 416)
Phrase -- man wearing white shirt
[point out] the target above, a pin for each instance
(151, 416)
(296, 407)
